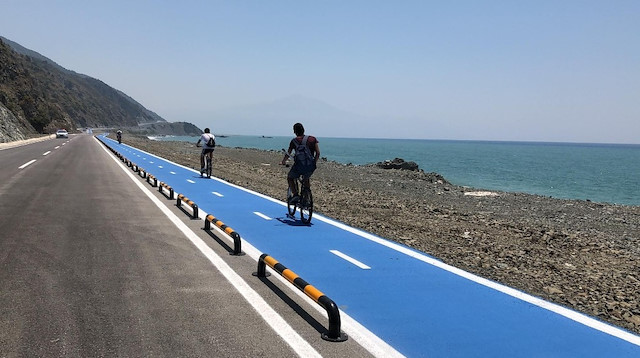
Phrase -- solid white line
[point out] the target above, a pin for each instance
(270, 316)
(26, 164)
(262, 215)
(350, 259)
(191, 181)
(217, 194)
(45, 153)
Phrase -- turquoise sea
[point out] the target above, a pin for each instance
(597, 172)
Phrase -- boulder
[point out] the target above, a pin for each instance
(398, 163)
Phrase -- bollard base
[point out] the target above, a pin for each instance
(341, 338)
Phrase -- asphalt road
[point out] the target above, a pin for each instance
(90, 266)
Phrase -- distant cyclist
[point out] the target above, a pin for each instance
(305, 159)
(209, 143)
(119, 135)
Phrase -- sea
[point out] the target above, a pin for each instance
(597, 172)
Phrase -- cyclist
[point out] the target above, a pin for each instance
(305, 159)
(208, 144)
(119, 135)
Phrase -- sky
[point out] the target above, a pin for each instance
(540, 70)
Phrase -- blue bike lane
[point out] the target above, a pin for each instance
(413, 302)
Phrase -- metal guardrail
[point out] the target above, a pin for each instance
(334, 333)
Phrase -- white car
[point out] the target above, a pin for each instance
(62, 133)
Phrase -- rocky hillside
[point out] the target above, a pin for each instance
(38, 96)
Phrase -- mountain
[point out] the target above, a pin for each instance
(277, 118)
(39, 96)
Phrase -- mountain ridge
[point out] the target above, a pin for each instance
(38, 96)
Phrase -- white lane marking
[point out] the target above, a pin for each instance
(270, 316)
(160, 166)
(45, 153)
(217, 194)
(56, 147)
(191, 181)
(150, 162)
(173, 173)
(26, 164)
(350, 259)
(262, 215)
(64, 143)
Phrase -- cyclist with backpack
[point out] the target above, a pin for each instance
(306, 156)
(209, 143)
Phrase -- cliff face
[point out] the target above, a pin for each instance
(11, 128)
(39, 96)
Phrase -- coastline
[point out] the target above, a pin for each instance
(579, 254)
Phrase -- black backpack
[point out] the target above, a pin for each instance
(303, 158)
(211, 143)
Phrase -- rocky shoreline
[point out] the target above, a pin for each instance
(579, 254)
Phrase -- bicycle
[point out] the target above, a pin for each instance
(305, 202)
(207, 165)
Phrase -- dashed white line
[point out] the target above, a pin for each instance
(262, 215)
(56, 147)
(173, 173)
(191, 181)
(45, 153)
(217, 194)
(26, 164)
(350, 259)
(160, 166)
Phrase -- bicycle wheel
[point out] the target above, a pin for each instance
(291, 207)
(306, 205)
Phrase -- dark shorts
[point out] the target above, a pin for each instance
(295, 172)
(207, 150)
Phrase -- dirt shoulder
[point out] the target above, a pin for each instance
(576, 253)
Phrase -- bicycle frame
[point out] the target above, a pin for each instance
(304, 204)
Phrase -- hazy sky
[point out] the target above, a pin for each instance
(558, 70)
